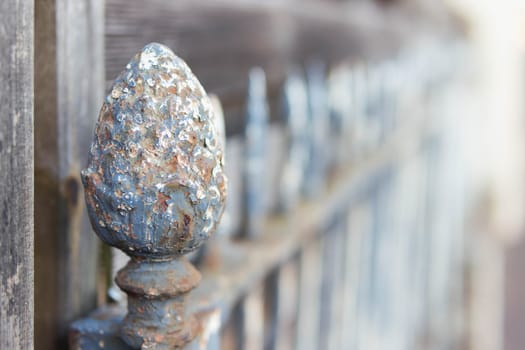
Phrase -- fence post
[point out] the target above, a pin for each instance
(155, 189)
(16, 169)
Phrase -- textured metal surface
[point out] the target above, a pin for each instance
(154, 183)
(101, 331)
(155, 189)
(157, 294)
(16, 167)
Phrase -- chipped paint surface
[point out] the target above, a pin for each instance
(155, 185)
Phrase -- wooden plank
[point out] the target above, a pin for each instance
(46, 182)
(16, 167)
(69, 80)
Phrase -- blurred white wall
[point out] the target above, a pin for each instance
(494, 134)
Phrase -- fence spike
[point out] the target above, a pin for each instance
(315, 175)
(155, 188)
(255, 152)
(295, 108)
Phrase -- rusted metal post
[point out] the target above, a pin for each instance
(155, 189)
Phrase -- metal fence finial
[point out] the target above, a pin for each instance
(155, 188)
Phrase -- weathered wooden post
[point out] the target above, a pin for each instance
(155, 189)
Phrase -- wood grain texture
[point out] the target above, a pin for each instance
(46, 178)
(16, 169)
(80, 76)
(69, 89)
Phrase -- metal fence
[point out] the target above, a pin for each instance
(343, 220)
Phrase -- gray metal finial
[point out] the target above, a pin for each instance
(155, 188)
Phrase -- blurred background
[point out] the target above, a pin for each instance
(495, 146)
(384, 138)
